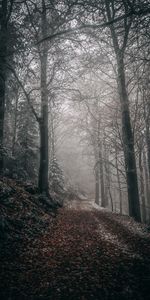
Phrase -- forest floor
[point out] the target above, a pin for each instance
(83, 253)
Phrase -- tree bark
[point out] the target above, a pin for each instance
(3, 53)
(128, 144)
(147, 188)
(43, 170)
(127, 134)
(103, 203)
(111, 199)
(143, 202)
(106, 177)
(147, 126)
(15, 124)
(100, 161)
(44, 161)
(118, 179)
(148, 145)
(97, 186)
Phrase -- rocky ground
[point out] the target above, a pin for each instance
(79, 253)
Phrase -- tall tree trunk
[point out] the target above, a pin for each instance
(118, 179)
(52, 134)
(147, 187)
(148, 145)
(106, 177)
(128, 144)
(43, 169)
(97, 185)
(147, 126)
(100, 161)
(143, 202)
(15, 125)
(3, 53)
(127, 134)
(103, 204)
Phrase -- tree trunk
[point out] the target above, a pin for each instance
(142, 187)
(3, 53)
(15, 125)
(52, 134)
(100, 161)
(147, 188)
(103, 204)
(106, 175)
(97, 185)
(128, 144)
(127, 134)
(43, 169)
(147, 133)
(119, 183)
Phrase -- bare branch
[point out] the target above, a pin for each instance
(25, 93)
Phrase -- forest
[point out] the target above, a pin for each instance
(74, 147)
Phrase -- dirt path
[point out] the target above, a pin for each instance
(80, 204)
(84, 254)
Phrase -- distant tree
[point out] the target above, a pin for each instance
(41, 16)
(26, 148)
(9, 46)
(56, 178)
(3, 56)
(119, 46)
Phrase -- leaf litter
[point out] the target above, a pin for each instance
(75, 254)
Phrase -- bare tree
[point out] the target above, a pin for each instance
(43, 170)
(3, 55)
(127, 134)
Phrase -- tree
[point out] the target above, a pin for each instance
(56, 178)
(43, 124)
(3, 55)
(41, 16)
(26, 148)
(127, 134)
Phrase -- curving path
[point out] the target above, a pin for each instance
(85, 254)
